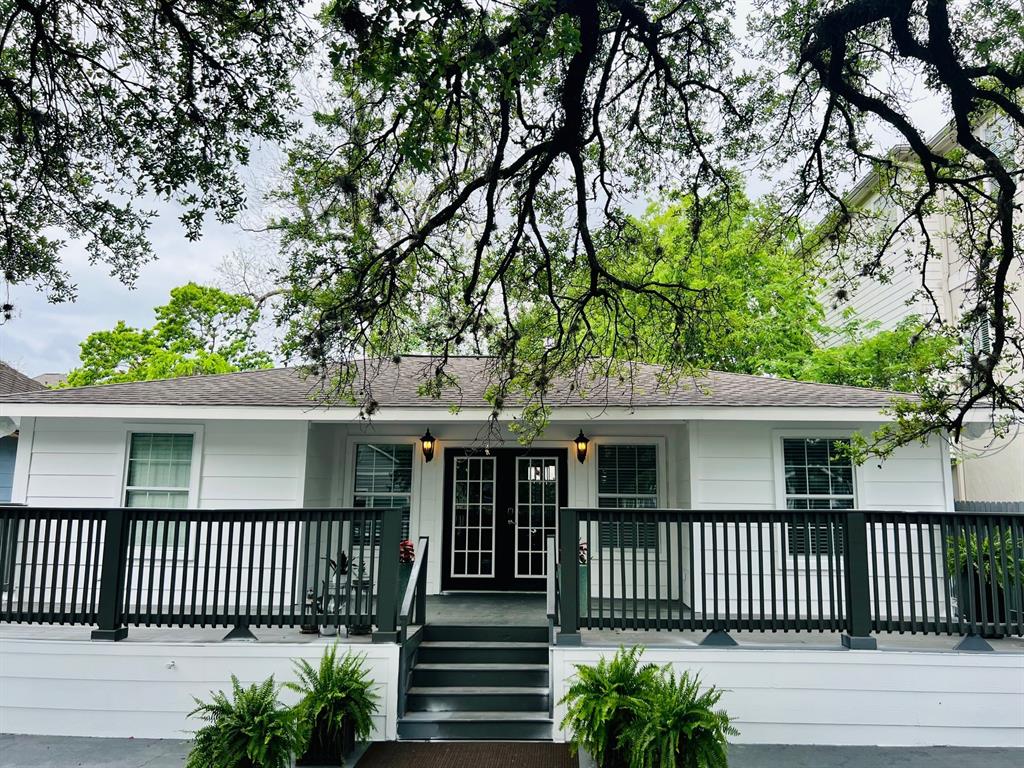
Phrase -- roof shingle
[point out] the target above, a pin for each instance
(15, 381)
(397, 383)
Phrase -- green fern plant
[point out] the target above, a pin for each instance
(678, 725)
(333, 693)
(249, 730)
(603, 701)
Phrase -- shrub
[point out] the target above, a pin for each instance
(250, 730)
(678, 725)
(332, 693)
(999, 554)
(602, 702)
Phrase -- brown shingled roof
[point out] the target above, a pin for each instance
(14, 381)
(396, 384)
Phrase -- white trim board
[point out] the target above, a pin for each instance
(439, 414)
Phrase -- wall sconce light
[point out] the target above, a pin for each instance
(427, 444)
(581, 446)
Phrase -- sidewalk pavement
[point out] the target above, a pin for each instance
(74, 752)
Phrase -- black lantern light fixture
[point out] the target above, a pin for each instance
(581, 446)
(427, 444)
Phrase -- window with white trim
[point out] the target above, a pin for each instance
(159, 477)
(383, 479)
(819, 476)
(627, 478)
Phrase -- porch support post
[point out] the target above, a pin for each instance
(110, 622)
(388, 599)
(569, 565)
(858, 585)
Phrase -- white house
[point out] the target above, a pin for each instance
(724, 503)
(989, 468)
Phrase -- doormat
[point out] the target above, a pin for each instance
(467, 754)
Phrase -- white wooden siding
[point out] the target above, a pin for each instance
(872, 698)
(243, 465)
(737, 465)
(146, 689)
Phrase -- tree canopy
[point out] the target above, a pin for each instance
(746, 278)
(476, 166)
(901, 359)
(475, 169)
(103, 102)
(201, 330)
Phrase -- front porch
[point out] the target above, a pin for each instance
(167, 584)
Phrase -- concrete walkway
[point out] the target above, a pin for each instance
(67, 752)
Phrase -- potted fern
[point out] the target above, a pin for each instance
(250, 730)
(602, 703)
(678, 725)
(981, 569)
(336, 708)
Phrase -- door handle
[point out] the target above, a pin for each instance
(511, 516)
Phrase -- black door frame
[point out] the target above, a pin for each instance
(504, 579)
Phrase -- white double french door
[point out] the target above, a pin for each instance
(500, 508)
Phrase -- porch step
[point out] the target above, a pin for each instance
(475, 726)
(451, 698)
(498, 634)
(433, 675)
(486, 682)
(485, 652)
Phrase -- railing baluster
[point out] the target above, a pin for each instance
(692, 583)
(911, 594)
(274, 525)
(820, 520)
(922, 582)
(714, 570)
(750, 576)
(760, 573)
(885, 572)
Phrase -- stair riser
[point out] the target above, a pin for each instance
(477, 702)
(471, 731)
(436, 678)
(445, 633)
(471, 655)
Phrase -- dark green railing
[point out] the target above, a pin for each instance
(221, 568)
(847, 571)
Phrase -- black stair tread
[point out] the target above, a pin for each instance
(472, 689)
(478, 644)
(447, 666)
(451, 715)
(489, 626)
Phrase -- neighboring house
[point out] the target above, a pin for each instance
(989, 468)
(51, 379)
(10, 381)
(721, 503)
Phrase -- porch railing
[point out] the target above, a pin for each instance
(221, 568)
(849, 571)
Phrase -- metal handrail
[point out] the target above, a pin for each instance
(117, 567)
(552, 588)
(415, 590)
(849, 571)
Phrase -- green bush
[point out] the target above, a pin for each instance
(602, 702)
(642, 716)
(678, 725)
(999, 554)
(250, 730)
(332, 693)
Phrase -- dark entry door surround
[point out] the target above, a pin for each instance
(499, 508)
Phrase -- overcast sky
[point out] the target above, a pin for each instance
(44, 337)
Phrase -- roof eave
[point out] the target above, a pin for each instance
(441, 413)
